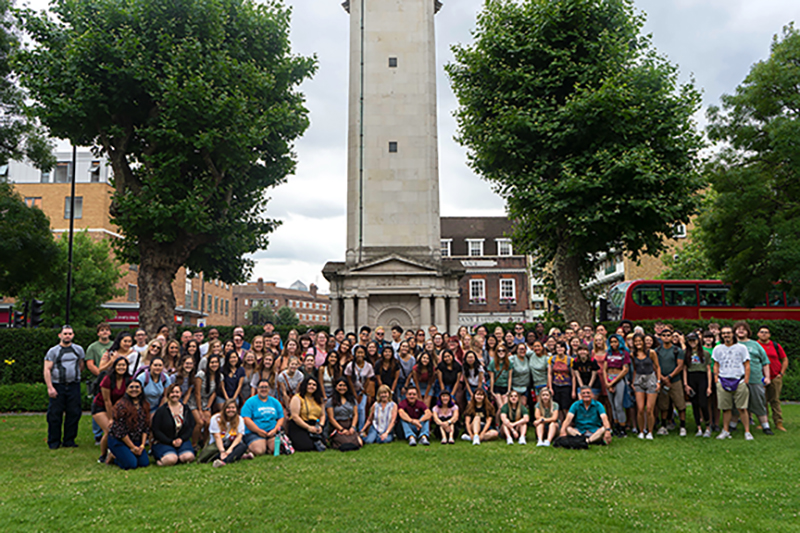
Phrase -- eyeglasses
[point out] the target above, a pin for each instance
(379, 334)
(666, 333)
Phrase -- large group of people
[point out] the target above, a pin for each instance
(219, 401)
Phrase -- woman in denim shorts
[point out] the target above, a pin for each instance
(646, 383)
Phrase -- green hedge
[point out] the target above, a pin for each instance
(30, 397)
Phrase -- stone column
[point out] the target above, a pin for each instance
(440, 314)
(335, 315)
(453, 314)
(363, 318)
(349, 315)
(424, 313)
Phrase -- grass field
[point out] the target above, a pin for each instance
(669, 484)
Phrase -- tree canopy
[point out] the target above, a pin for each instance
(575, 120)
(752, 233)
(195, 104)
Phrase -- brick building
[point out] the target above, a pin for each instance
(496, 286)
(312, 308)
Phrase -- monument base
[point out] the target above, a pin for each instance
(393, 290)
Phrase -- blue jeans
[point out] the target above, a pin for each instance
(124, 457)
(362, 413)
(96, 430)
(410, 430)
(373, 437)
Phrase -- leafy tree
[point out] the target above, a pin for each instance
(689, 261)
(195, 104)
(286, 317)
(95, 273)
(752, 234)
(27, 248)
(260, 313)
(567, 110)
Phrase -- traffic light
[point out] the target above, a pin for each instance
(36, 312)
(20, 317)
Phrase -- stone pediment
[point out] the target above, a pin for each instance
(395, 265)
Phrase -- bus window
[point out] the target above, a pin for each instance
(793, 301)
(714, 296)
(680, 295)
(647, 295)
(775, 299)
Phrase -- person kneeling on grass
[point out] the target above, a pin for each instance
(382, 418)
(173, 425)
(263, 419)
(226, 442)
(545, 418)
(129, 429)
(415, 418)
(514, 418)
(479, 419)
(587, 418)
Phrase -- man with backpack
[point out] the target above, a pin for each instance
(62, 375)
(670, 360)
(778, 364)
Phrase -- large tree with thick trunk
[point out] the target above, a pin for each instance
(194, 103)
(582, 128)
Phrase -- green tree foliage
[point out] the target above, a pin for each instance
(27, 248)
(95, 274)
(752, 234)
(584, 130)
(195, 104)
(287, 317)
(689, 261)
(260, 313)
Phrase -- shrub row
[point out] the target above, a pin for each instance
(30, 397)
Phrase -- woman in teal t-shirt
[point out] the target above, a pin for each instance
(500, 375)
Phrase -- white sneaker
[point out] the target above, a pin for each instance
(662, 431)
(540, 443)
(523, 440)
(707, 434)
(682, 432)
(649, 436)
(218, 463)
(699, 432)
(546, 443)
(748, 436)
(476, 440)
(509, 440)
(466, 437)
(641, 435)
(723, 435)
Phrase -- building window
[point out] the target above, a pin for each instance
(195, 299)
(392, 62)
(94, 172)
(508, 292)
(78, 207)
(477, 291)
(3, 172)
(227, 307)
(34, 201)
(133, 291)
(392, 147)
(475, 247)
(245, 302)
(133, 268)
(538, 290)
(504, 247)
(679, 231)
(446, 244)
(216, 305)
(210, 301)
(62, 172)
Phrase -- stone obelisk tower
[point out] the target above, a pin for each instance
(393, 272)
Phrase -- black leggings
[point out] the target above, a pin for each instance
(698, 381)
(301, 440)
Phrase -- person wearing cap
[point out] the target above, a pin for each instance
(670, 360)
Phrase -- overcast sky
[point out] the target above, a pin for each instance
(716, 41)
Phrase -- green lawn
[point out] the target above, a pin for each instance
(670, 484)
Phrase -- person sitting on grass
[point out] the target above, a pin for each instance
(343, 417)
(128, 432)
(263, 419)
(514, 418)
(587, 418)
(479, 419)
(379, 427)
(112, 388)
(226, 444)
(415, 418)
(445, 416)
(173, 425)
(545, 418)
(308, 416)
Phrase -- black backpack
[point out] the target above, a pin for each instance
(571, 442)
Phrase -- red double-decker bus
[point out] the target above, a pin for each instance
(694, 300)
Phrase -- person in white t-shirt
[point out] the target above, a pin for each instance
(732, 373)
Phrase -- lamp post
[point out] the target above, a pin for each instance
(71, 233)
(235, 310)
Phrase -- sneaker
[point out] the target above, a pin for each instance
(509, 440)
(444, 440)
(622, 433)
(247, 456)
(699, 432)
(476, 440)
(732, 427)
(723, 435)
(102, 459)
(707, 433)
(218, 463)
(748, 436)
(424, 441)
(670, 425)
(649, 436)
(641, 435)
(682, 432)
(779, 427)
(97, 441)
(412, 441)
(451, 441)
(540, 443)
(768, 431)
(662, 431)
(546, 443)
(466, 437)
(523, 440)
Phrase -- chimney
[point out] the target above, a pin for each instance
(260, 284)
(313, 290)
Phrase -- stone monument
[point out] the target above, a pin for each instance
(393, 272)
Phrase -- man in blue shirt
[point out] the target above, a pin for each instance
(587, 418)
(263, 419)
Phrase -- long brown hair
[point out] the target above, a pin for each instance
(472, 405)
(126, 412)
(232, 423)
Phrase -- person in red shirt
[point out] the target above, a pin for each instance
(415, 417)
(778, 363)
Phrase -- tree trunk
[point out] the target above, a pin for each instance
(574, 305)
(157, 270)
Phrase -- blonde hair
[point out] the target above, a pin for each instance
(386, 389)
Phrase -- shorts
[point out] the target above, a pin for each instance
(250, 438)
(500, 389)
(160, 450)
(562, 395)
(647, 383)
(726, 400)
(675, 393)
(98, 409)
(758, 399)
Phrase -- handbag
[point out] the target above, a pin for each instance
(730, 384)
